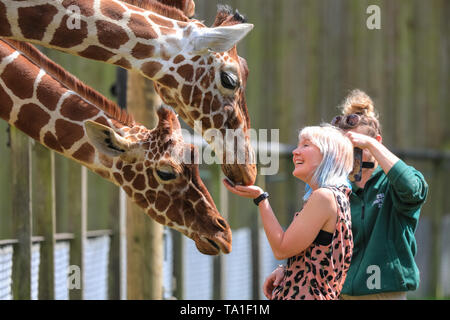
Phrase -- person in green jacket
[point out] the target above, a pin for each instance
(385, 209)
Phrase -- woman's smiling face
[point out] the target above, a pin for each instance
(306, 157)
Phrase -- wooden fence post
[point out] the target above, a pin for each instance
(256, 248)
(144, 235)
(5, 181)
(178, 257)
(115, 268)
(22, 215)
(43, 201)
(219, 278)
(76, 187)
(117, 214)
(436, 227)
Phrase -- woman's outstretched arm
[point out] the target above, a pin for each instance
(320, 208)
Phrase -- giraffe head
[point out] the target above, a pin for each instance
(207, 88)
(156, 169)
(196, 69)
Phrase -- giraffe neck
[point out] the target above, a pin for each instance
(52, 111)
(112, 31)
(196, 69)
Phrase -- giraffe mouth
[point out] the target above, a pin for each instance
(242, 170)
(213, 246)
(241, 174)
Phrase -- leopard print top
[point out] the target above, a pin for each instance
(319, 272)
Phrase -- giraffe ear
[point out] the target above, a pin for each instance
(168, 120)
(106, 140)
(220, 39)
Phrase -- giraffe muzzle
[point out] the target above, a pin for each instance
(240, 174)
(214, 245)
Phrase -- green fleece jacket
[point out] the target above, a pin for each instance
(384, 218)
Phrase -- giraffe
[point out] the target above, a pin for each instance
(186, 6)
(56, 109)
(196, 69)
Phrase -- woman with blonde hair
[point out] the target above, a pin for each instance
(318, 243)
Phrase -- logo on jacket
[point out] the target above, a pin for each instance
(379, 200)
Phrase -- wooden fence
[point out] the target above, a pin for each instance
(31, 224)
(47, 200)
(304, 56)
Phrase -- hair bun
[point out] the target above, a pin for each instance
(358, 102)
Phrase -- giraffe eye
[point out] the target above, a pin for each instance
(229, 80)
(166, 176)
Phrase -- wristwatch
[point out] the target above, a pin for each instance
(260, 198)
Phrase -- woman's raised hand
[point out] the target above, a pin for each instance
(250, 192)
(359, 140)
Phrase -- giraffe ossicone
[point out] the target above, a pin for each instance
(56, 109)
(196, 69)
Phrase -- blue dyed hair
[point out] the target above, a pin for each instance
(309, 190)
(337, 153)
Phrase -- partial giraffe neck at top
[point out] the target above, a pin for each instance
(196, 69)
(102, 30)
(51, 106)
(167, 8)
(113, 31)
(56, 109)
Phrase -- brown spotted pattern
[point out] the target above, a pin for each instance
(136, 38)
(45, 13)
(319, 272)
(50, 109)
